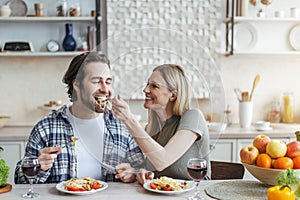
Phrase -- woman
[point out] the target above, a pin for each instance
(174, 133)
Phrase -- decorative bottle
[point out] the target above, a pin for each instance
(288, 107)
(69, 43)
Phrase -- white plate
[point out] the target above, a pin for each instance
(264, 129)
(245, 36)
(189, 187)
(18, 7)
(61, 187)
(294, 37)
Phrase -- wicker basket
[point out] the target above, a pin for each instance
(3, 120)
(264, 175)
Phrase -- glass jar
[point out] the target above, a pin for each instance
(62, 8)
(75, 10)
(274, 115)
(288, 107)
(228, 117)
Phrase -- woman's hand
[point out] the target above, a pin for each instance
(125, 173)
(144, 175)
(47, 156)
(120, 109)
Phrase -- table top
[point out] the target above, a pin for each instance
(117, 191)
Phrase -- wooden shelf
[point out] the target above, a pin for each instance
(47, 19)
(40, 54)
(265, 19)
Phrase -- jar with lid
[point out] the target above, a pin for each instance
(75, 9)
(228, 117)
(274, 115)
(288, 107)
(62, 8)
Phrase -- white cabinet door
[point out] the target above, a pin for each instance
(13, 152)
(223, 150)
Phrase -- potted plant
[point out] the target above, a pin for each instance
(260, 13)
(4, 173)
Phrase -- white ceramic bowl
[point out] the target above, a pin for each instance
(262, 125)
(217, 126)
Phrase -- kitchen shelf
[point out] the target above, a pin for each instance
(264, 19)
(48, 19)
(40, 54)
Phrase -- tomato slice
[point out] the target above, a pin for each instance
(166, 188)
(153, 186)
(75, 189)
(96, 186)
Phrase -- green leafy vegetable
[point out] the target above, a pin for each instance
(4, 173)
(291, 178)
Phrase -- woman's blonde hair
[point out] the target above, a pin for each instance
(176, 80)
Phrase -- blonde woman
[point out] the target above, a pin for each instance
(174, 133)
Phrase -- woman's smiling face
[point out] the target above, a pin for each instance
(156, 91)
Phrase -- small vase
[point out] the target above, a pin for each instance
(5, 11)
(69, 43)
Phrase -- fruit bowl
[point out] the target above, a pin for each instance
(264, 175)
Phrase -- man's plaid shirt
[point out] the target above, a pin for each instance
(55, 129)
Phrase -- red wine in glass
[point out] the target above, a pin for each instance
(30, 167)
(197, 172)
(31, 170)
(197, 169)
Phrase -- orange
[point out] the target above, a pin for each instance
(296, 161)
(264, 160)
(283, 163)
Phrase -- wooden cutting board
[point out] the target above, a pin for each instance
(7, 188)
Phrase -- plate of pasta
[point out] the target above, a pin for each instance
(166, 185)
(81, 186)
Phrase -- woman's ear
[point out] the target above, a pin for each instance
(174, 95)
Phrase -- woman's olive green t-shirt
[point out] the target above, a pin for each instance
(192, 120)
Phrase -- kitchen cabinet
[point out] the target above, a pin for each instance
(223, 150)
(13, 152)
(40, 30)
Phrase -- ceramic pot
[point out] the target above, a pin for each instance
(69, 43)
(5, 11)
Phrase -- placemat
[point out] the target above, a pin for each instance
(237, 189)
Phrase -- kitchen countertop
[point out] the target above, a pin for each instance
(21, 133)
(278, 130)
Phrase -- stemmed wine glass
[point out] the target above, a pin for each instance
(197, 169)
(30, 167)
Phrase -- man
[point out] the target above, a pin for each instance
(101, 138)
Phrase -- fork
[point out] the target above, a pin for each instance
(67, 144)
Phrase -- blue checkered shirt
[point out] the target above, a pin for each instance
(55, 129)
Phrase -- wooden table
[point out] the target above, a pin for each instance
(115, 191)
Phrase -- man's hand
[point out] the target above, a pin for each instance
(125, 173)
(47, 156)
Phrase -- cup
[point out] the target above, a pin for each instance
(295, 12)
(279, 13)
(245, 113)
(39, 9)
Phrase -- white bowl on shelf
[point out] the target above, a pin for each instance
(217, 126)
(262, 125)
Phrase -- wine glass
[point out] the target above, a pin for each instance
(197, 169)
(30, 167)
